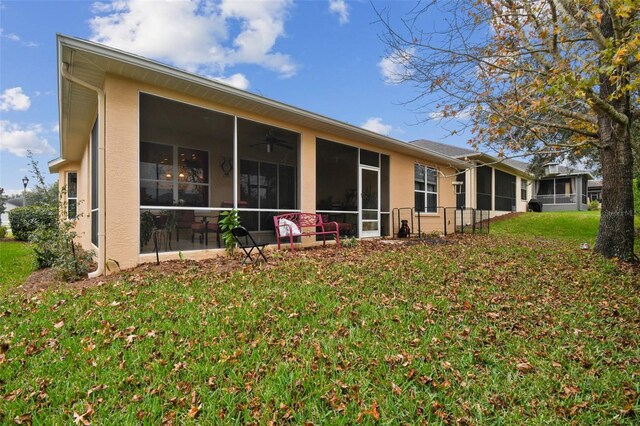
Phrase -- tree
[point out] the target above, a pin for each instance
(3, 203)
(41, 193)
(544, 77)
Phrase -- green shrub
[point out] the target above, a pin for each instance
(229, 220)
(54, 247)
(25, 220)
(349, 242)
(593, 205)
(3, 231)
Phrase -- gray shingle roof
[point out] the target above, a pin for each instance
(457, 152)
(442, 148)
(563, 170)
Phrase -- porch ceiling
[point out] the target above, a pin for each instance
(90, 62)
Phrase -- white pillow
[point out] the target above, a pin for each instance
(285, 225)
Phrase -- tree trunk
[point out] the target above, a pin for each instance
(615, 235)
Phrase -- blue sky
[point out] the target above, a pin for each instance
(324, 56)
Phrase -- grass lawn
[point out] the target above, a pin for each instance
(479, 330)
(16, 264)
(576, 227)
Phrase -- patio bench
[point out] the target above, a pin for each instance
(291, 225)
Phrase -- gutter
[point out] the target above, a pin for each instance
(101, 166)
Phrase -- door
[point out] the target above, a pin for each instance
(369, 202)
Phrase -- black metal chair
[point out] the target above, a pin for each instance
(248, 244)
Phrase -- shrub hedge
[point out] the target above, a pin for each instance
(25, 220)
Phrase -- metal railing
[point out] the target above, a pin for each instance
(558, 198)
(465, 220)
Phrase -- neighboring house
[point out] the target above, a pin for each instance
(145, 146)
(562, 188)
(9, 205)
(594, 190)
(491, 184)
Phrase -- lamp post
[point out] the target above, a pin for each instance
(25, 182)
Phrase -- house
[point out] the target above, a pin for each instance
(11, 204)
(562, 188)
(496, 185)
(153, 154)
(594, 190)
(505, 185)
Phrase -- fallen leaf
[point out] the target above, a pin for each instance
(524, 367)
(24, 419)
(374, 411)
(577, 407)
(59, 324)
(571, 390)
(396, 389)
(194, 410)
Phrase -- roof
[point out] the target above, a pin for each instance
(568, 171)
(465, 153)
(443, 148)
(594, 184)
(91, 62)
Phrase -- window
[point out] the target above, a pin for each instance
(483, 193)
(426, 189)
(72, 195)
(94, 184)
(336, 177)
(172, 175)
(267, 185)
(505, 196)
(545, 187)
(563, 186)
(523, 189)
(461, 190)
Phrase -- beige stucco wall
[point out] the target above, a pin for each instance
(122, 172)
(82, 225)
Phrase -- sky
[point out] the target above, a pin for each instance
(325, 56)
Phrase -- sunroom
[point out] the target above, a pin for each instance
(196, 163)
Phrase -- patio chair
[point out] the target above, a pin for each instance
(184, 220)
(204, 227)
(248, 244)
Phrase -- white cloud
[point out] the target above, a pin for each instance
(238, 81)
(340, 8)
(395, 68)
(17, 39)
(197, 34)
(14, 100)
(375, 124)
(11, 192)
(463, 114)
(18, 140)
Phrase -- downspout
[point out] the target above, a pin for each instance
(101, 167)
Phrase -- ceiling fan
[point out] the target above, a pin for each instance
(271, 141)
